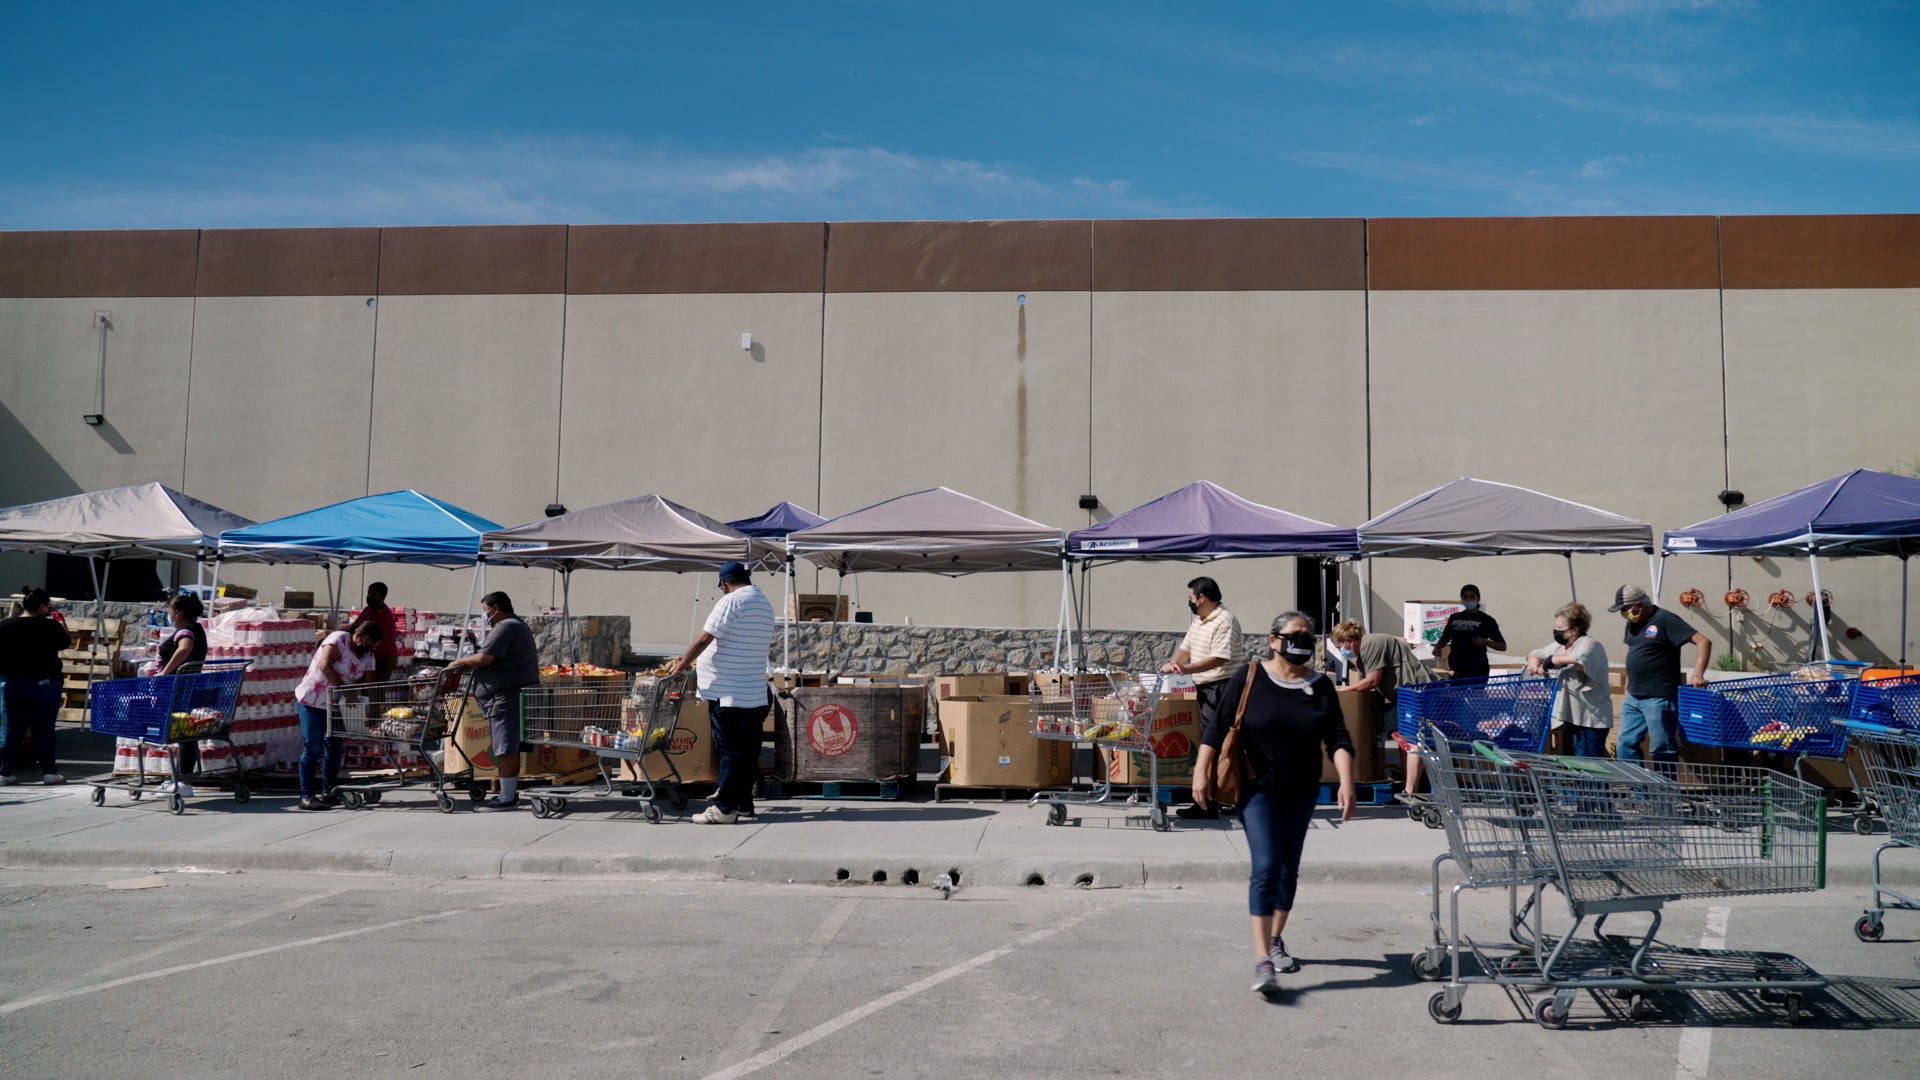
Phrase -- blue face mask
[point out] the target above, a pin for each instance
(1470, 605)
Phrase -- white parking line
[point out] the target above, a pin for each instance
(747, 1037)
(853, 1016)
(44, 999)
(1696, 1042)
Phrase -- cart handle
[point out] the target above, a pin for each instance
(1585, 765)
(1492, 753)
(1875, 729)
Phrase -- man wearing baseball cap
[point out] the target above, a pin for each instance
(1652, 703)
(733, 681)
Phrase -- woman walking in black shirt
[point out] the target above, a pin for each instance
(1289, 713)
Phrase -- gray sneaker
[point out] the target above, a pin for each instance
(1263, 980)
(1277, 956)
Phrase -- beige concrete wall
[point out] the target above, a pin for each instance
(1607, 397)
(973, 391)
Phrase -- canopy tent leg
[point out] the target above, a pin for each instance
(100, 574)
(1366, 596)
(1573, 588)
(786, 624)
(216, 576)
(473, 592)
(833, 628)
(1656, 568)
(1820, 609)
(1063, 635)
(333, 598)
(1903, 613)
(693, 613)
(566, 613)
(1082, 602)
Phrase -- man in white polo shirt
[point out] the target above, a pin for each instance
(733, 680)
(1207, 654)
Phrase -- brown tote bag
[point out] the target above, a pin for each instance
(1230, 766)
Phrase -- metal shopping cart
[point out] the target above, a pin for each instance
(1892, 760)
(623, 725)
(414, 713)
(197, 703)
(1511, 712)
(1623, 838)
(1797, 715)
(1114, 713)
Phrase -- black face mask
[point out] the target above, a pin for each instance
(1559, 637)
(1193, 607)
(1297, 648)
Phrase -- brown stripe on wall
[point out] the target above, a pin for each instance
(1278, 254)
(1542, 253)
(957, 256)
(289, 262)
(778, 257)
(157, 262)
(1841, 251)
(473, 260)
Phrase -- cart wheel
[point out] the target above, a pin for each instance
(445, 802)
(99, 796)
(1437, 1008)
(1549, 1015)
(1794, 1012)
(1427, 966)
(1863, 824)
(177, 804)
(653, 813)
(1867, 927)
(539, 807)
(372, 797)
(241, 793)
(676, 798)
(1161, 822)
(1640, 1006)
(1430, 817)
(477, 790)
(1057, 814)
(354, 800)
(135, 793)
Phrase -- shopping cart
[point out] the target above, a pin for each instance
(622, 725)
(1511, 712)
(1114, 713)
(197, 703)
(1892, 760)
(1623, 838)
(409, 714)
(1797, 715)
(1496, 837)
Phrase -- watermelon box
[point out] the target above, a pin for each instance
(1175, 734)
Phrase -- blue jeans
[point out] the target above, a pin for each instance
(737, 734)
(1276, 835)
(28, 706)
(1658, 719)
(1589, 741)
(315, 746)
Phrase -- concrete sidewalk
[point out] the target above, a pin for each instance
(791, 840)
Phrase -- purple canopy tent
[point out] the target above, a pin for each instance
(1852, 515)
(779, 521)
(1200, 523)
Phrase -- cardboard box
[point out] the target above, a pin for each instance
(691, 748)
(242, 591)
(817, 607)
(1361, 711)
(1175, 734)
(472, 736)
(970, 686)
(293, 599)
(991, 743)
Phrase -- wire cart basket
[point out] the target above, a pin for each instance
(1792, 715)
(1510, 712)
(1892, 760)
(623, 725)
(167, 710)
(414, 713)
(1615, 837)
(1113, 713)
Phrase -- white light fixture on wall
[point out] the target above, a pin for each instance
(746, 341)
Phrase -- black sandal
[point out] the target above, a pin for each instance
(314, 804)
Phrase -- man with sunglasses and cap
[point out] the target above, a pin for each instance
(1651, 708)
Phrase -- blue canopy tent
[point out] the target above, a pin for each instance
(395, 527)
(1852, 515)
(776, 523)
(1200, 523)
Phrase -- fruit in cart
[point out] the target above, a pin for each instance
(575, 670)
(400, 713)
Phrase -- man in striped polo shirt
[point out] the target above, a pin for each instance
(1207, 654)
(733, 680)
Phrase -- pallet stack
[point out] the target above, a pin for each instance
(82, 663)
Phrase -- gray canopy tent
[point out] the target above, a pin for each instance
(143, 519)
(646, 532)
(1470, 517)
(936, 531)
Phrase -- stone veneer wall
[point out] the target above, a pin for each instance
(960, 650)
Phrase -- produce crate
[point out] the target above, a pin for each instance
(852, 733)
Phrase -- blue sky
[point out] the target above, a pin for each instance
(143, 115)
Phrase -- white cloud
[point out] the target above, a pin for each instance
(1586, 10)
(569, 179)
(1543, 191)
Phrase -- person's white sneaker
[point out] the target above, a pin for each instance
(8, 780)
(713, 815)
(53, 778)
(169, 787)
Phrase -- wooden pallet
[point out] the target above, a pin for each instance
(1375, 793)
(981, 793)
(835, 789)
